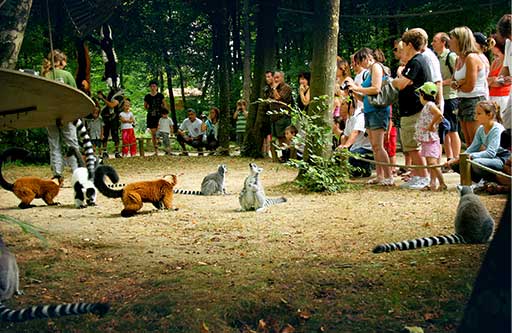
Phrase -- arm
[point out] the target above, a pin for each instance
(401, 82)
(436, 119)
(110, 104)
(374, 89)
(347, 141)
(493, 144)
(304, 95)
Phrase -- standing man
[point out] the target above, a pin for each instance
(282, 93)
(110, 114)
(447, 60)
(190, 132)
(154, 102)
(414, 74)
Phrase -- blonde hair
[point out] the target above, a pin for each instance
(491, 107)
(58, 57)
(241, 102)
(465, 40)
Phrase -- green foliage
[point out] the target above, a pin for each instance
(318, 173)
(26, 227)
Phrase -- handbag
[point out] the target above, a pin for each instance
(387, 95)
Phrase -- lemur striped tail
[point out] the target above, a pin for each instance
(187, 192)
(51, 311)
(90, 159)
(274, 201)
(419, 243)
(99, 182)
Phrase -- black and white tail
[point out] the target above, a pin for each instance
(90, 159)
(51, 311)
(419, 243)
(99, 182)
(187, 192)
(273, 201)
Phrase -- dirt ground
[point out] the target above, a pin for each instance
(207, 265)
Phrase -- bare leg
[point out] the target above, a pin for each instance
(417, 159)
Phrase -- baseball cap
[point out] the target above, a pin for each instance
(480, 38)
(428, 88)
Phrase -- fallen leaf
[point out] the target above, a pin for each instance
(287, 329)
(204, 328)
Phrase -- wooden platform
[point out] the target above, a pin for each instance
(30, 101)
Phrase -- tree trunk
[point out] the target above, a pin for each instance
(263, 60)
(221, 45)
(182, 86)
(13, 21)
(247, 53)
(168, 72)
(207, 82)
(323, 65)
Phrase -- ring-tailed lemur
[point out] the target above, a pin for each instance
(252, 196)
(473, 225)
(213, 183)
(9, 285)
(83, 176)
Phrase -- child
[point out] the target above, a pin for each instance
(165, 129)
(94, 124)
(127, 131)
(427, 133)
(291, 149)
(485, 148)
(240, 116)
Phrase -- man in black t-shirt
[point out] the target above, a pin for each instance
(154, 102)
(414, 74)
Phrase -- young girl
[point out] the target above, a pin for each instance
(485, 148)
(127, 132)
(240, 116)
(427, 134)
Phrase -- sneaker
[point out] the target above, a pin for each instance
(118, 155)
(387, 182)
(374, 181)
(412, 181)
(421, 183)
(105, 155)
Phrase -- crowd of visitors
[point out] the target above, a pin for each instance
(449, 96)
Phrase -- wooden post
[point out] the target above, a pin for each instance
(141, 146)
(465, 169)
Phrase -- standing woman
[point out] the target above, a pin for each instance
(469, 79)
(67, 130)
(376, 118)
(210, 128)
(304, 95)
(499, 91)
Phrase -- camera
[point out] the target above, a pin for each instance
(344, 85)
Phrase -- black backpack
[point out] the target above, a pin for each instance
(447, 63)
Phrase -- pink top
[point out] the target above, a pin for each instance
(422, 133)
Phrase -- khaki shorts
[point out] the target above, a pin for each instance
(407, 130)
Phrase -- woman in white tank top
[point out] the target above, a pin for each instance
(469, 78)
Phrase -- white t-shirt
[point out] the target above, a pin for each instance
(126, 116)
(193, 128)
(433, 65)
(356, 123)
(165, 124)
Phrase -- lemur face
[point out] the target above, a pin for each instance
(222, 169)
(255, 169)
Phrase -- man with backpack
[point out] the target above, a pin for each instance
(449, 131)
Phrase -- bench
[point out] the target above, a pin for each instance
(144, 141)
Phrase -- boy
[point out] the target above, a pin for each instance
(165, 129)
(94, 124)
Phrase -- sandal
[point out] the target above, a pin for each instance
(426, 188)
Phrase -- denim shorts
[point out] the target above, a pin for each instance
(376, 119)
(467, 108)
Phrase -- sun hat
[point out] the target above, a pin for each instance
(428, 88)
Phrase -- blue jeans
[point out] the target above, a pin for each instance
(362, 168)
(478, 173)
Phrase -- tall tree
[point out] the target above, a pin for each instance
(13, 22)
(263, 60)
(323, 65)
(222, 56)
(247, 52)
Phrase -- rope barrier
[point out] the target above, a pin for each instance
(399, 165)
(496, 172)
